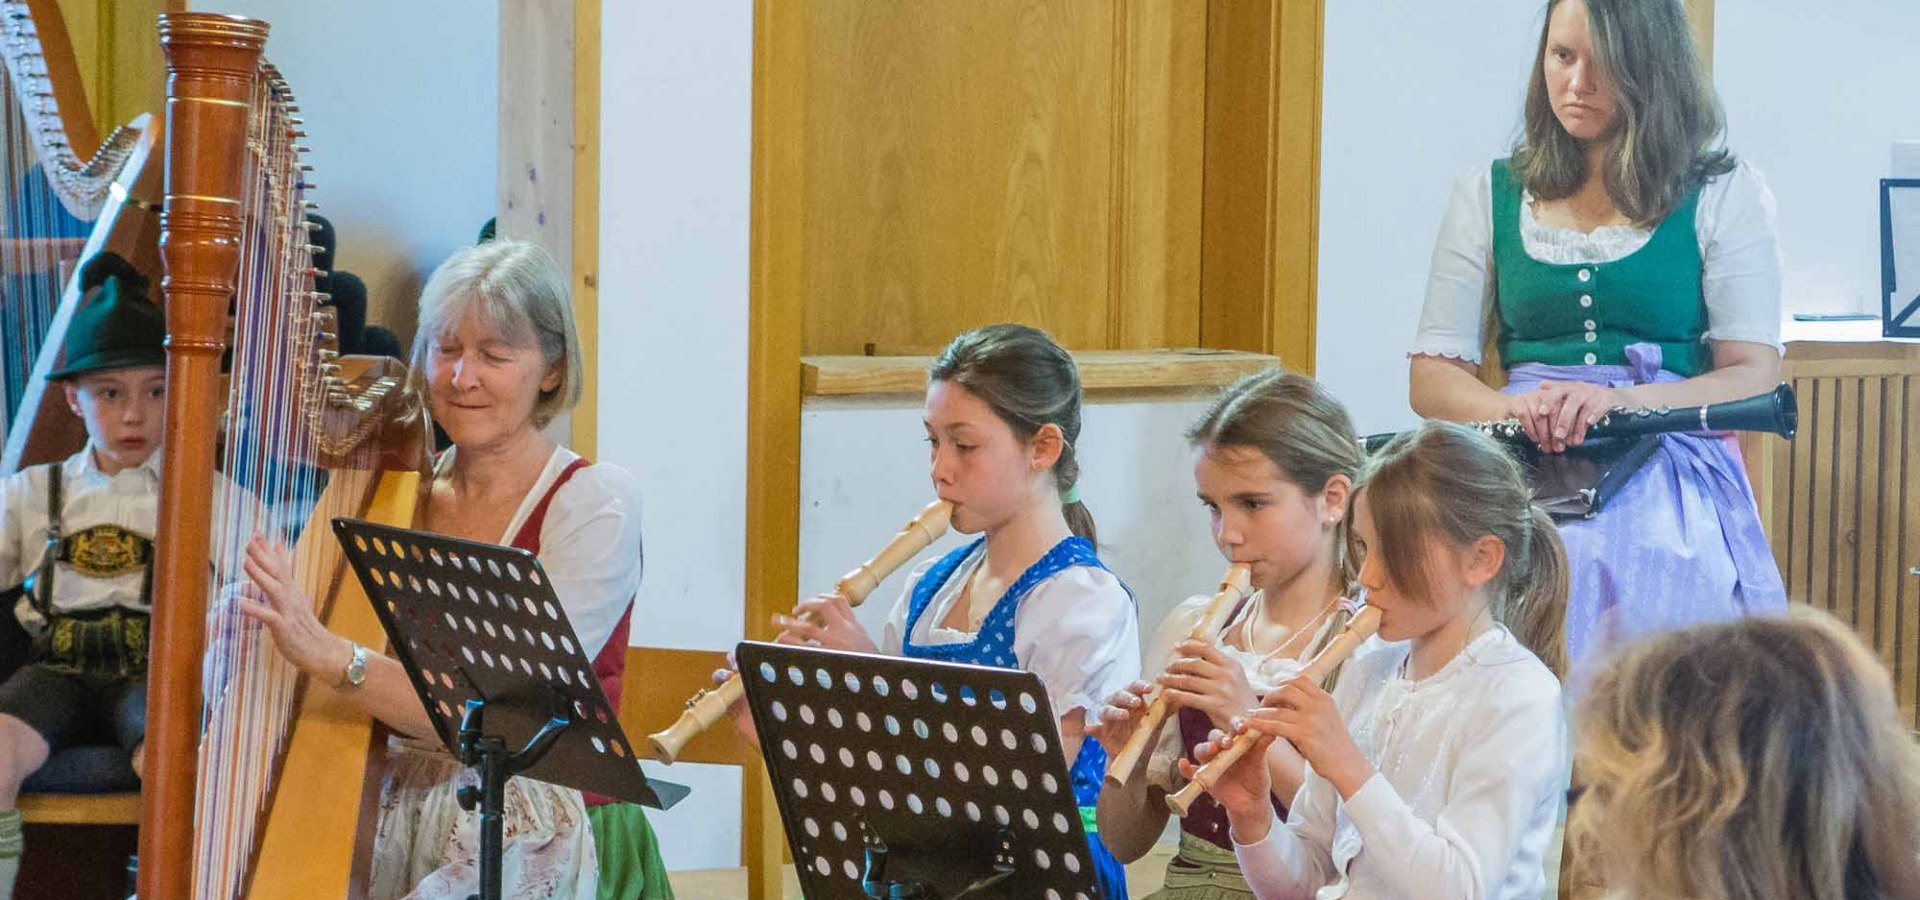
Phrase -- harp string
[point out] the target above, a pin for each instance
(273, 398)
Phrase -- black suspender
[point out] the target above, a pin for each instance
(39, 585)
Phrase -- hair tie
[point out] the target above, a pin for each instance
(1072, 496)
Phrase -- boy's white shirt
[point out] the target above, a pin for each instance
(129, 499)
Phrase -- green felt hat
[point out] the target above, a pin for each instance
(116, 327)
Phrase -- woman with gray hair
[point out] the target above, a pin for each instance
(497, 358)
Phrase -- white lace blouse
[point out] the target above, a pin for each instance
(1739, 250)
(1472, 768)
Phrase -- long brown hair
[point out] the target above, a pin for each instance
(1447, 481)
(1029, 382)
(1760, 758)
(1299, 426)
(1667, 137)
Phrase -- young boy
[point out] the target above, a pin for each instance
(76, 547)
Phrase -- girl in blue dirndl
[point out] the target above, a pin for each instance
(1002, 416)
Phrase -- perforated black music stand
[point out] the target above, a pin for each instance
(497, 665)
(900, 778)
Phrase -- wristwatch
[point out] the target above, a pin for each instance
(356, 673)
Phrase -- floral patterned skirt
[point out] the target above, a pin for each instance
(428, 848)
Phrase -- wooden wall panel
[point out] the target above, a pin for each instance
(1841, 501)
(1001, 160)
(1159, 120)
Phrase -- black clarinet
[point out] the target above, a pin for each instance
(1774, 412)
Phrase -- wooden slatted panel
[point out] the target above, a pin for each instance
(1843, 596)
(1842, 507)
(1820, 496)
(1904, 450)
(1795, 503)
(1867, 553)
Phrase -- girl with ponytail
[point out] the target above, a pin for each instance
(1438, 763)
(1002, 420)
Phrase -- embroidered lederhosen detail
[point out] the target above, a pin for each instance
(106, 551)
(110, 642)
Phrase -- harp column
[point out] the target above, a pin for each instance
(212, 65)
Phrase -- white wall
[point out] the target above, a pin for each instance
(401, 104)
(1815, 101)
(676, 95)
(1411, 98)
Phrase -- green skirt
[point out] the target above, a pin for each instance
(1202, 871)
(630, 865)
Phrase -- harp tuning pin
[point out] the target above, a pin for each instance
(315, 249)
(295, 121)
(319, 297)
(309, 205)
(317, 272)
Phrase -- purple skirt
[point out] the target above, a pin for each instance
(1681, 543)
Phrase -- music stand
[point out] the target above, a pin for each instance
(900, 778)
(497, 665)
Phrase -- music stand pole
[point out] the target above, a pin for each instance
(488, 754)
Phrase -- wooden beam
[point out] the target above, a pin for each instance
(586, 219)
(1294, 254)
(1100, 370)
(536, 125)
(777, 281)
(1700, 14)
(538, 177)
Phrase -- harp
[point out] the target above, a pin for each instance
(65, 194)
(257, 779)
